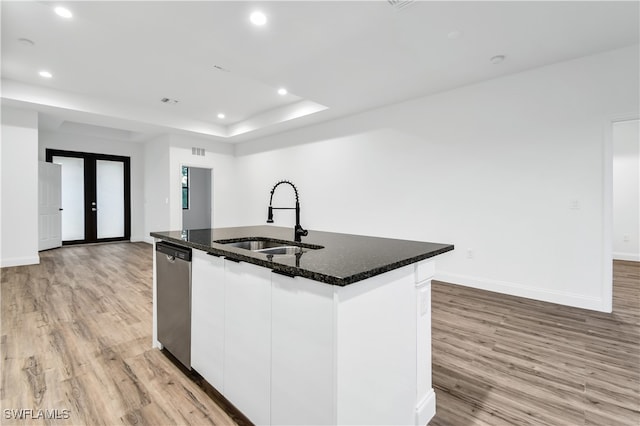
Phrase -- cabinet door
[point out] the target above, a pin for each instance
(302, 352)
(247, 351)
(207, 317)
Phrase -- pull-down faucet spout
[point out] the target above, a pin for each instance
(298, 231)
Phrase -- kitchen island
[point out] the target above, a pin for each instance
(335, 329)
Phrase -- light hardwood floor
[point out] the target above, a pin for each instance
(502, 360)
(76, 336)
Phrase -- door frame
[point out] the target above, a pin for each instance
(174, 207)
(210, 193)
(90, 219)
(607, 207)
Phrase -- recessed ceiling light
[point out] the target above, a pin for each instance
(258, 18)
(497, 59)
(63, 12)
(282, 91)
(45, 74)
(221, 115)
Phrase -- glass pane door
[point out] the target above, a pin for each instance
(72, 197)
(96, 196)
(110, 198)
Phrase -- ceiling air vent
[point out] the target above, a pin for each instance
(219, 68)
(400, 4)
(197, 151)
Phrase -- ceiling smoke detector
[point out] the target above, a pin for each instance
(168, 101)
(400, 4)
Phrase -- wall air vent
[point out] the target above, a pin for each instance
(198, 151)
(168, 101)
(400, 4)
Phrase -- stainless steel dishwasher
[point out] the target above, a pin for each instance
(173, 273)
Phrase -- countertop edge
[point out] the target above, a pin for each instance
(293, 271)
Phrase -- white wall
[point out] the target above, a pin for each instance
(511, 169)
(19, 196)
(156, 186)
(93, 144)
(164, 157)
(219, 158)
(626, 190)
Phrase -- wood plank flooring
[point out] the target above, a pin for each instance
(76, 344)
(502, 360)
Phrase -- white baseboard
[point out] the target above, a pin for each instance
(514, 289)
(426, 409)
(149, 240)
(634, 257)
(136, 238)
(19, 261)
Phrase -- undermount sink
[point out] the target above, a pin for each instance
(284, 250)
(270, 247)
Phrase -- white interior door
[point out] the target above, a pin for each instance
(73, 225)
(49, 205)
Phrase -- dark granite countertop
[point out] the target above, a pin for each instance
(343, 260)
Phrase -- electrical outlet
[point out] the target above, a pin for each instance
(574, 204)
(626, 238)
(469, 253)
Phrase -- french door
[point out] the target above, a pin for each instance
(96, 201)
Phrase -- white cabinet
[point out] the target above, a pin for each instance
(292, 351)
(247, 351)
(302, 376)
(207, 317)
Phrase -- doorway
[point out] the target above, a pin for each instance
(96, 202)
(196, 198)
(626, 190)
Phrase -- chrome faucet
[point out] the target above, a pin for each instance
(298, 231)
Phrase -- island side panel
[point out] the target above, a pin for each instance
(426, 397)
(376, 349)
(154, 335)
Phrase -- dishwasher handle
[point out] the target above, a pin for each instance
(174, 252)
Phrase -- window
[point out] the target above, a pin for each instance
(185, 188)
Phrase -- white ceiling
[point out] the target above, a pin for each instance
(114, 60)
